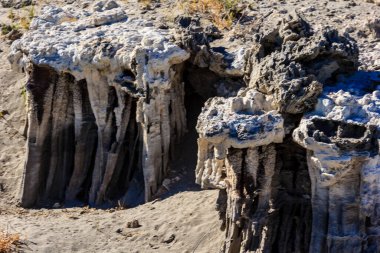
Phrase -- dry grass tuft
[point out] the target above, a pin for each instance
(9, 242)
(25, 23)
(145, 2)
(220, 12)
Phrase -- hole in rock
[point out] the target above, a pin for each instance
(351, 131)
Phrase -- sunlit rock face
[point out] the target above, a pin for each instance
(289, 138)
(297, 152)
(106, 104)
(245, 121)
(342, 140)
(292, 62)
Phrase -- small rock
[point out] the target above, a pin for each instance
(374, 27)
(163, 26)
(153, 246)
(350, 29)
(57, 205)
(166, 183)
(119, 231)
(133, 224)
(110, 5)
(105, 5)
(168, 239)
(14, 35)
(86, 4)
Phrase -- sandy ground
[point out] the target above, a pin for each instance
(185, 220)
(12, 125)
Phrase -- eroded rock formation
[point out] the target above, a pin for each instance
(342, 140)
(106, 102)
(320, 195)
(294, 151)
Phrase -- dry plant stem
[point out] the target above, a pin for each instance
(8, 241)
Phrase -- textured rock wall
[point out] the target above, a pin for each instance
(296, 183)
(342, 140)
(292, 143)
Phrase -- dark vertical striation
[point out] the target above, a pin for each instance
(265, 213)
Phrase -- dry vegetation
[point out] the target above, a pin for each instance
(19, 19)
(9, 242)
(221, 12)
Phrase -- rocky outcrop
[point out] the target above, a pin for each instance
(241, 122)
(291, 143)
(316, 194)
(292, 62)
(106, 104)
(342, 140)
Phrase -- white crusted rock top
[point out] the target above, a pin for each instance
(344, 124)
(355, 98)
(354, 101)
(240, 122)
(71, 40)
(245, 121)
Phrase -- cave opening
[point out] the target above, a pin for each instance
(201, 84)
(198, 87)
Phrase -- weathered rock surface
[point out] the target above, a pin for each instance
(291, 61)
(342, 140)
(320, 195)
(241, 122)
(294, 153)
(15, 3)
(106, 103)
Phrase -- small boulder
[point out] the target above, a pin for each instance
(168, 239)
(374, 27)
(133, 224)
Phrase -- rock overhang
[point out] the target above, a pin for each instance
(241, 122)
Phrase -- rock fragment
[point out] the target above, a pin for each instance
(133, 224)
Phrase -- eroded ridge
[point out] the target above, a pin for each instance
(106, 103)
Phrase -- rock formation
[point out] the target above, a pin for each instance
(320, 196)
(342, 140)
(289, 138)
(106, 103)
